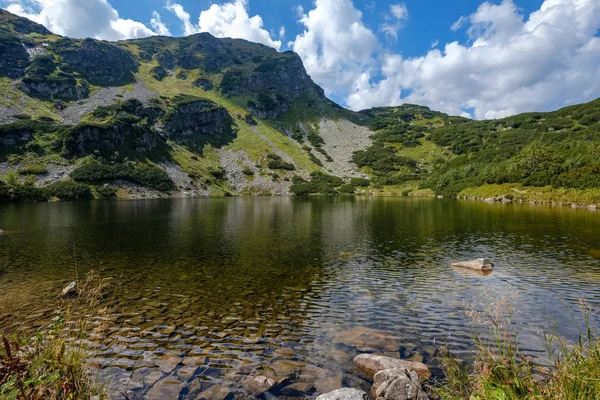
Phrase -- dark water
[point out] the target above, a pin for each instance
(224, 284)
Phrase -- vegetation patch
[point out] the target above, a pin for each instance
(319, 183)
(148, 176)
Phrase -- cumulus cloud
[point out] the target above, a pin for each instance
(227, 20)
(511, 63)
(75, 18)
(336, 47)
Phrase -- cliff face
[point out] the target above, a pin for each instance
(195, 117)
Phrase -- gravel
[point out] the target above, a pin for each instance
(342, 138)
(234, 162)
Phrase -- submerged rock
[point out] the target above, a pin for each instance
(344, 394)
(216, 392)
(367, 339)
(397, 384)
(371, 364)
(480, 264)
(70, 291)
(257, 385)
(167, 388)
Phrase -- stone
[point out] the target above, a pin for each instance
(286, 351)
(257, 385)
(167, 388)
(187, 373)
(298, 389)
(168, 363)
(367, 339)
(397, 384)
(344, 394)
(370, 364)
(327, 384)
(480, 264)
(284, 369)
(216, 392)
(70, 290)
(145, 377)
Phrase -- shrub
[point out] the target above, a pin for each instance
(347, 189)
(320, 183)
(276, 162)
(106, 191)
(148, 176)
(360, 182)
(34, 170)
(247, 171)
(68, 190)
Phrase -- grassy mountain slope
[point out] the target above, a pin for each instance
(200, 116)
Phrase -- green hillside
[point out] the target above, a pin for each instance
(202, 116)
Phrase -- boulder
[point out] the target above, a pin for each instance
(70, 290)
(257, 385)
(298, 389)
(366, 339)
(344, 394)
(371, 364)
(480, 264)
(397, 384)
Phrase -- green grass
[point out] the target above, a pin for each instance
(547, 194)
(500, 370)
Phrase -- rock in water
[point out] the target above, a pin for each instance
(257, 385)
(344, 394)
(366, 339)
(397, 384)
(481, 264)
(371, 364)
(70, 291)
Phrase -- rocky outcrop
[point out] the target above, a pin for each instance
(370, 364)
(86, 138)
(159, 73)
(203, 84)
(275, 83)
(480, 264)
(14, 138)
(344, 394)
(198, 117)
(14, 58)
(397, 384)
(55, 88)
(101, 63)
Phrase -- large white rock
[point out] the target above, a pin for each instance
(397, 384)
(70, 291)
(344, 394)
(371, 364)
(481, 264)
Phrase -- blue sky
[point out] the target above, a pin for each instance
(429, 20)
(482, 59)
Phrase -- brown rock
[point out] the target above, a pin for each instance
(370, 364)
(287, 352)
(257, 385)
(397, 384)
(328, 384)
(284, 369)
(216, 392)
(168, 388)
(481, 264)
(367, 339)
(298, 389)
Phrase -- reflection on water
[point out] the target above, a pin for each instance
(217, 288)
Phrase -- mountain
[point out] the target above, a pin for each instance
(202, 116)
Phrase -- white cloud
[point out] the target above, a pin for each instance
(227, 20)
(510, 64)
(158, 26)
(79, 19)
(398, 15)
(435, 43)
(188, 27)
(336, 47)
